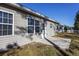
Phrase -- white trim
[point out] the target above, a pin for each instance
(13, 26)
(6, 11)
(9, 24)
(34, 25)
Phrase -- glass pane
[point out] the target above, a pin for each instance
(36, 22)
(9, 32)
(0, 27)
(5, 27)
(50, 25)
(4, 32)
(10, 16)
(30, 21)
(9, 27)
(43, 26)
(0, 33)
(30, 29)
(5, 14)
(10, 21)
(0, 20)
(37, 29)
(0, 14)
(5, 20)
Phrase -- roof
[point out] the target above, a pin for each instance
(52, 20)
(28, 10)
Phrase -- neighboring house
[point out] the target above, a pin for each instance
(18, 24)
(70, 29)
(64, 28)
(60, 28)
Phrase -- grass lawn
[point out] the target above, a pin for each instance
(33, 49)
(74, 46)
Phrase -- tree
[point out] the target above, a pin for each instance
(65, 28)
(76, 24)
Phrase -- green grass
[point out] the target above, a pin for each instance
(33, 49)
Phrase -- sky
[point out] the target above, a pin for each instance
(64, 13)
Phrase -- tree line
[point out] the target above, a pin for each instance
(76, 23)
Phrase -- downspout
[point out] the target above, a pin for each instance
(44, 29)
(63, 52)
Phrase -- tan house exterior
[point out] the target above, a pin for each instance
(16, 28)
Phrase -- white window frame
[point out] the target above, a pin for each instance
(33, 25)
(36, 25)
(9, 24)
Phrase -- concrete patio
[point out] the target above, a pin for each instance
(63, 43)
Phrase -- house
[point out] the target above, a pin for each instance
(64, 28)
(51, 28)
(60, 28)
(70, 29)
(18, 24)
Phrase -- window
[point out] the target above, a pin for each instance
(30, 25)
(0, 20)
(0, 29)
(0, 17)
(6, 22)
(30, 21)
(50, 25)
(30, 29)
(37, 26)
(0, 14)
(33, 26)
(36, 23)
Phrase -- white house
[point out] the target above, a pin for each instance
(18, 24)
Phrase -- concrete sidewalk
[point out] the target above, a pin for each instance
(63, 43)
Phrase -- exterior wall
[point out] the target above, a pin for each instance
(20, 30)
(21, 36)
(50, 29)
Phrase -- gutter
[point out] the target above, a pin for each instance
(26, 10)
(29, 11)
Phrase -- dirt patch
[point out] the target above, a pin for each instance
(33, 49)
